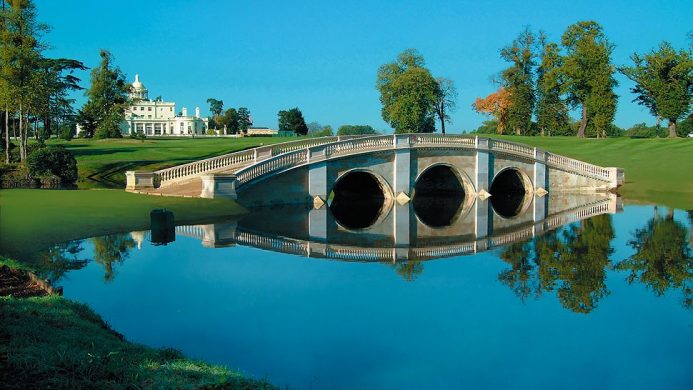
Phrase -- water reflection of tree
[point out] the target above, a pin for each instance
(409, 270)
(519, 277)
(112, 249)
(662, 260)
(572, 262)
(53, 263)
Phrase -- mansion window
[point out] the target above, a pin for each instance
(149, 128)
(157, 129)
(149, 108)
(140, 127)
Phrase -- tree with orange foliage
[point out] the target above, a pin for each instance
(496, 105)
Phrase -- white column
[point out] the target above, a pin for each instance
(402, 172)
(482, 169)
(317, 180)
(540, 177)
(481, 218)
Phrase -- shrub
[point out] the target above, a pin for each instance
(138, 135)
(66, 133)
(56, 161)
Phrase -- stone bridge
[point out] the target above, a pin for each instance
(395, 168)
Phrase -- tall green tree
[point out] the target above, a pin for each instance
(518, 80)
(230, 121)
(408, 93)
(20, 52)
(588, 71)
(663, 82)
(244, 119)
(216, 107)
(446, 101)
(292, 120)
(551, 110)
(107, 101)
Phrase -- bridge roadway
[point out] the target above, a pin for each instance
(308, 170)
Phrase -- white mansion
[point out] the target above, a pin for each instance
(156, 117)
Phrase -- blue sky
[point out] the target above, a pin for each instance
(322, 56)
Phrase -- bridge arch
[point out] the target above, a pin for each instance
(511, 192)
(359, 199)
(441, 195)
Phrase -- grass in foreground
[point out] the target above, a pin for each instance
(51, 342)
(33, 220)
(102, 163)
(657, 170)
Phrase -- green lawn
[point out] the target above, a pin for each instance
(102, 163)
(51, 342)
(657, 170)
(32, 220)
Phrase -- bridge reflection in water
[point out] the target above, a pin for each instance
(427, 228)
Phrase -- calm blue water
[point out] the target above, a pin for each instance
(458, 323)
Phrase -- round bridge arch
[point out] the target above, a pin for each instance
(511, 190)
(359, 199)
(440, 195)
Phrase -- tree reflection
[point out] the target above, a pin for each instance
(112, 249)
(519, 277)
(409, 270)
(662, 260)
(55, 262)
(572, 262)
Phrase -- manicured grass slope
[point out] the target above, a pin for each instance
(102, 163)
(51, 342)
(31, 220)
(657, 170)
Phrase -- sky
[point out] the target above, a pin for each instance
(322, 56)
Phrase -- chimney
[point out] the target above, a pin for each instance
(197, 112)
(185, 111)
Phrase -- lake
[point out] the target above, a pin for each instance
(603, 300)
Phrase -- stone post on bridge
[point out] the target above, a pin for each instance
(317, 176)
(482, 183)
(540, 179)
(402, 169)
(219, 186)
(140, 180)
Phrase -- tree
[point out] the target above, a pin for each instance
(107, 101)
(446, 101)
(355, 130)
(518, 81)
(664, 83)
(408, 94)
(551, 111)
(292, 120)
(20, 52)
(497, 105)
(216, 107)
(588, 72)
(244, 120)
(230, 121)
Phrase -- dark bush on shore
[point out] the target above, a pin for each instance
(53, 161)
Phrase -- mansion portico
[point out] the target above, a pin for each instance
(159, 118)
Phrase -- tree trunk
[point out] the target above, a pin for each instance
(583, 122)
(442, 126)
(21, 134)
(672, 129)
(7, 134)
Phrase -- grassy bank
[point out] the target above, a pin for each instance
(32, 220)
(657, 170)
(51, 342)
(102, 163)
